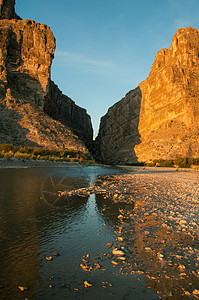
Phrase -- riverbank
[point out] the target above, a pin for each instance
(19, 163)
(154, 213)
(31, 163)
(156, 169)
(160, 236)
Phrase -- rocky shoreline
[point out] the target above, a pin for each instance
(29, 163)
(154, 213)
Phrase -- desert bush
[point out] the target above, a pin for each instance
(150, 164)
(25, 149)
(183, 162)
(72, 159)
(65, 159)
(44, 158)
(41, 152)
(88, 156)
(89, 162)
(6, 148)
(8, 155)
(164, 163)
(37, 153)
(33, 157)
(19, 155)
(196, 161)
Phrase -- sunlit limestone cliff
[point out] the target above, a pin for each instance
(33, 111)
(159, 119)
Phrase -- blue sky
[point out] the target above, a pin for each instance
(106, 47)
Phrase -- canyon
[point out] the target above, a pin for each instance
(159, 119)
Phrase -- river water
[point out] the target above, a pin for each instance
(35, 223)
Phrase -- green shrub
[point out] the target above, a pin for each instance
(19, 155)
(41, 152)
(196, 161)
(25, 149)
(33, 157)
(183, 162)
(163, 163)
(8, 155)
(27, 152)
(150, 164)
(66, 159)
(6, 147)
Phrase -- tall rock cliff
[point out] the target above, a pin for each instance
(169, 116)
(118, 133)
(32, 109)
(167, 112)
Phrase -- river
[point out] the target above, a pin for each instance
(37, 225)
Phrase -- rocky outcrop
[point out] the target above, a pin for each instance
(31, 105)
(169, 108)
(26, 52)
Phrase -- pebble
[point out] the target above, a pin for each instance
(118, 252)
(22, 288)
(114, 262)
(49, 258)
(87, 284)
(196, 292)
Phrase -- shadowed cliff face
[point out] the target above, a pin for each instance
(167, 110)
(7, 9)
(118, 132)
(45, 116)
(62, 108)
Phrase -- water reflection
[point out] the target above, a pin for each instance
(111, 210)
(30, 229)
(19, 260)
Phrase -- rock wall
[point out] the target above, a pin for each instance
(169, 116)
(26, 52)
(62, 108)
(7, 9)
(168, 111)
(118, 133)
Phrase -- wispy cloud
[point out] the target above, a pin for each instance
(80, 59)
